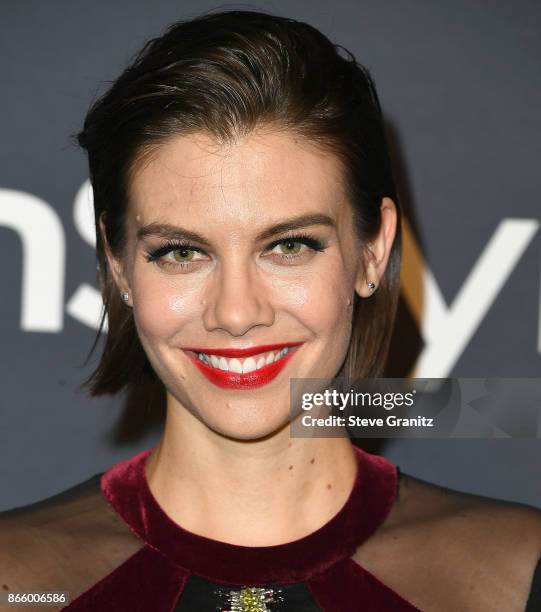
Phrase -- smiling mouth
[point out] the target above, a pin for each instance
(242, 365)
(242, 369)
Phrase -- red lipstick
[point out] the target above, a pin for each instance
(249, 380)
(246, 352)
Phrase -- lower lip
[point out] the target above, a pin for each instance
(250, 380)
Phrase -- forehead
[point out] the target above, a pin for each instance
(260, 178)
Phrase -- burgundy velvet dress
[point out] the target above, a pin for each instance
(176, 570)
(108, 543)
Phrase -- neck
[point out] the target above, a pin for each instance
(250, 493)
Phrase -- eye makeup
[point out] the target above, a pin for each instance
(157, 255)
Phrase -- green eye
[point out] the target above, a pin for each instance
(183, 254)
(183, 257)
(290, 247)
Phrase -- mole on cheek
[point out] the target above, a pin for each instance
(329, 486)
(290, 467)
(312, 460)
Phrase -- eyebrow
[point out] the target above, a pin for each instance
(173, 232)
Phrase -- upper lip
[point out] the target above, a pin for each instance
(245, 352)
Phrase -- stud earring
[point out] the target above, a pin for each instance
(125, 296)
(371, 285)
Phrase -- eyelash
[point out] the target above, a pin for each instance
(313, 243)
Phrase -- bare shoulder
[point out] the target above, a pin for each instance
(464, 551)
(57, 543)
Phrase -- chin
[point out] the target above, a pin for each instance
(246, 426)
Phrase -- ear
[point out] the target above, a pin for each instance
(377, 251)
(116, 266)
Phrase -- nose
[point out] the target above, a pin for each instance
(237, 300)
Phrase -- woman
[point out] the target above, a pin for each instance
(248, 232)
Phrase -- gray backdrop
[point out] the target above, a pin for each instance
(460, 85)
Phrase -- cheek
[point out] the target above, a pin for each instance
(319, 300)
(330, 306)
(161, 307)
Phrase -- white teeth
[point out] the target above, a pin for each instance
(235, 366)
(244, 366)
(249, 365)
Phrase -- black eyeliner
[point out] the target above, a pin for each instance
(310, 241)
(168, 247)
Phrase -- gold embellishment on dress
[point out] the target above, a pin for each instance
(250, 599)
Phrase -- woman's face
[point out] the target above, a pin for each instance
(247, 246)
